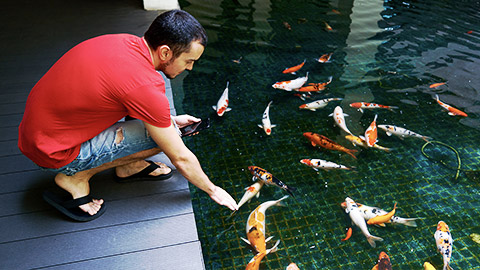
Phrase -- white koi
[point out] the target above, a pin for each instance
(251, 191)
(401, 132)
(339, 118)
(266, 124)
(222, 104)
(292, 84)
(324, 164)
(313, 106)
(357, 218)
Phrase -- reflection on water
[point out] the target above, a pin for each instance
(387, 52)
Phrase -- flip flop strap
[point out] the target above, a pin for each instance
(145, 172)
(77, 202)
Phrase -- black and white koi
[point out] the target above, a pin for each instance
(401, 132)
(324, 164)
(313, 106)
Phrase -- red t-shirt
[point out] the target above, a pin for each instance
(91, 87)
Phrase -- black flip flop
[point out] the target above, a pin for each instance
(70, 207)
(144, 175)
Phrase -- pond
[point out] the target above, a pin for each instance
(397, 53)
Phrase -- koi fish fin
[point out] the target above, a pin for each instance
(260, 126)
(451, 114)
(254, 178)
(273, 126)
(448, 267)
(388, 133)
(214, 108)
(290, 190)
(381, 225)
(257, 195)
(345, 114)
(268, 239)
(330, 114)
(228, 109)
(392, 108)
(314, 144)
(375, 267)
(316, 169)
(294, 73)
(426, 138)
(274, 248)
(245, 240)
(408, 222)
(360, 110)
(313, 110)
(371, 240)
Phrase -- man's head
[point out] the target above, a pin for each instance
(177, 40)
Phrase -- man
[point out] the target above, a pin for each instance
(70, 125)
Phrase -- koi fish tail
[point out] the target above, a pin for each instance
(371, 240)
(274, 248)
(408, 222)
(290, 190)
(392, 108)
(351, 151)
(446, 266)
(426, 138)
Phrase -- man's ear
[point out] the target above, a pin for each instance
(164, 52)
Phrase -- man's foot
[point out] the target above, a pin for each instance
(78, 187)
(136, 167)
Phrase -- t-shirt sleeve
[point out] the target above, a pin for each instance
(149, 104)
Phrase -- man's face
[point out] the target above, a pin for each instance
(184, 61)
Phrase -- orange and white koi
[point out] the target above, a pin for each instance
(292, 266)
(254, 263)
(251, 191)
(383, 262)
(295, 68)
(222, 104)
(428, 266)
(255, 226)
(292, 84)
(369, 212)
(325, 58)
(315, 87)
(318, 104)
(269, 179)
(359, 141)
(323, 164)
(444, 241)
(287, 25)
(328, 27)
(451, 110)
(357, 219)
(365, 105)
(371, 133)
(266, 124)
(237, 61)
(401, 132)
(435, 85)
(339, 118)
(382, 219)
(324, 142)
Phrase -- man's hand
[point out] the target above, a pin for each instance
(185, 120)
(222, 197)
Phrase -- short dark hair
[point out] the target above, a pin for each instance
(177, 29)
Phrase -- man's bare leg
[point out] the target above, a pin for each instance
(78, 184)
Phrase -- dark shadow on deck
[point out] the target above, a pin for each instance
(146, 226)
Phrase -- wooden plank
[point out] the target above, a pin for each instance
(9, 148)
(8, 133)
(16, 163)
(50, 222)
(12, 108)
(11, 120)
(98, 243)
(13, 98)
(185, 256)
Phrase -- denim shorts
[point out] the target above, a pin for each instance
(103, 148)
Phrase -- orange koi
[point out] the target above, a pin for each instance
(328, 27)
(322, 141)
(451, 110)
(469, 32)
(383, 262)
(324, 58)
(382, 219)
(371, 133)
(435, 85)
(336, 11)
(348, 235)
(295, 68)
(315, 87)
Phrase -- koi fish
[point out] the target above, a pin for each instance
(369, 212)
(222, 104)
(348, 235)
(358, 141)
(322, 141)
(339, 118)
(383, 218)
(357, 219)
(323, 164)
(251, 191)
(383, 262)
(475, 237)
(371, 133)
(325, 58)
(318, 104)
(287, 25)
(292, 266)
(401, 132)
(295, 68)
(428, 266)
(336, 11)
(365, 105)
(315, 87)
(444, 241)
(435, 85)
(266, 124)
(237, 61)
(451, 110)
(328, 27)
(255, 227)
(292, 84)
(269, 179)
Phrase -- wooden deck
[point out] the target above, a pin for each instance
(146, 225)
